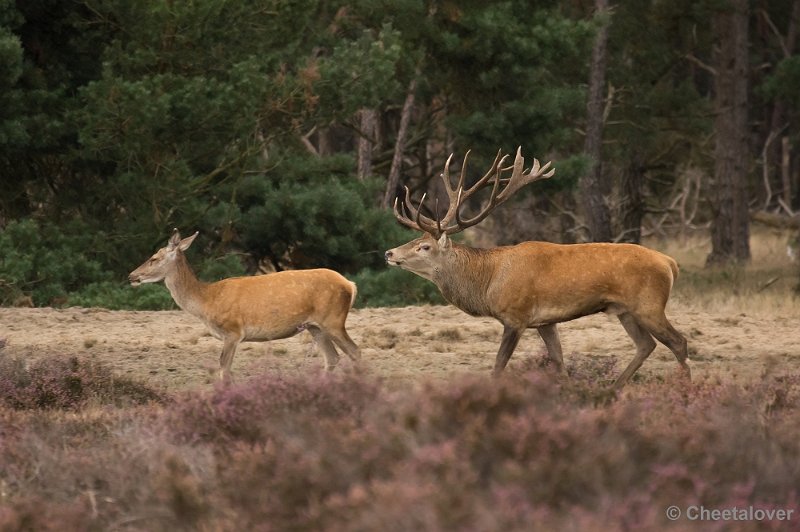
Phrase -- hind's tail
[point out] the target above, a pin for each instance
(353, 294)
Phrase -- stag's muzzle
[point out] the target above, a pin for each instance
(390, 260)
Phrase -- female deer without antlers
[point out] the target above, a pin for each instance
(257, 308)
(539, 284)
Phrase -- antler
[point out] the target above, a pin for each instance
(502, 189)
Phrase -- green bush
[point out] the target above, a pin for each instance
(46, 261)
(118, 296)
(307, 214)
(394, 287)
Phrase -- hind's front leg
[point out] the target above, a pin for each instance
(229, 345)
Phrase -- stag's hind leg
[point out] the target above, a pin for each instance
(665, 333)
(644, 346)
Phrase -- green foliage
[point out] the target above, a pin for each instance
(315, 215)
(124, 119)
(361, 73)
(46, 261)
(785, 80)
(526, 72)
(119, 296)
(393, 287)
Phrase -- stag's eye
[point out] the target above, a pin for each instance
(425, 247)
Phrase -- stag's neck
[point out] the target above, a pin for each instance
(465, 277)
(184, 286)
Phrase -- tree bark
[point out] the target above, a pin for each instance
(631, 204)
(399, 146)
(730, 228)
(366, 142)
(592, 187)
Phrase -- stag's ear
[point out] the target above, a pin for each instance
(444, 242)
(186, 242)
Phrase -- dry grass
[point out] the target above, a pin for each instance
(765, 287)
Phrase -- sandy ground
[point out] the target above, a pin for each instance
(174, 350)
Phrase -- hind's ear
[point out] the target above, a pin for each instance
(174, 240)
(186, 242)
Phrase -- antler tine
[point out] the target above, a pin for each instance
(420, 222)
(518, 179)
(493, 170)
(511, 185)
(484, 212)
(452, 194)
(502, 189)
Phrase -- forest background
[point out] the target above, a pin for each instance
(283, 130)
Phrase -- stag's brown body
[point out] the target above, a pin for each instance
(540, 284)
(258, 308)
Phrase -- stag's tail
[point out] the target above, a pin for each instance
(673, 265)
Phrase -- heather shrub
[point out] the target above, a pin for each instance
(239, 413)
(67, 383)
(351, 452)
(43, 515)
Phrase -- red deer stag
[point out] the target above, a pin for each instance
(258, 308)
(538, 284)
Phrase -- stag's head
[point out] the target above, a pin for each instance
(421, 255)
(425, 254)
(157, 267)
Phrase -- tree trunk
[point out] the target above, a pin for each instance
(598, 216)
(631, 204)
(730, 228)
(366, 142)
(399, 147)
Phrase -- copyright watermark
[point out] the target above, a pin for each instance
(733, 513)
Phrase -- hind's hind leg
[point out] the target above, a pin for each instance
(326, 345)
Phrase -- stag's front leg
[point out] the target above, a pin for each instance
(511, 336)
(549, 334)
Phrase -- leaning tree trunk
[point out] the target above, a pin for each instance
(399, 146)
(368, 119)
(779, 121)
(596, 210)
(730, 229)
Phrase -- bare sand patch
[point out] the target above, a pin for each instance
(173, 349)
